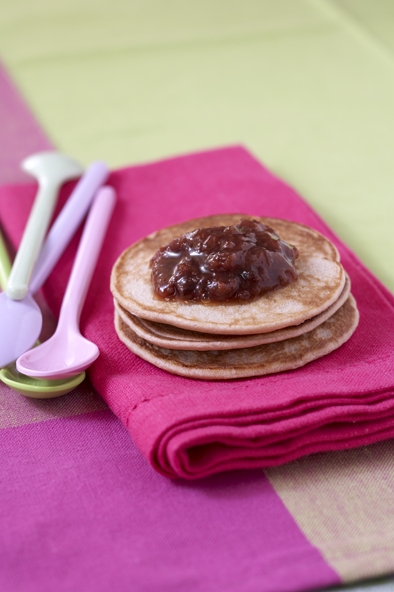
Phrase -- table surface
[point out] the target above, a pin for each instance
(306, 85)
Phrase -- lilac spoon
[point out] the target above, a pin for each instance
(67, 352)
(21, 320)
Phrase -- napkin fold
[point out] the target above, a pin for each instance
(191, 428)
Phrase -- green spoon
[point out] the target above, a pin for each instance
(31, 387)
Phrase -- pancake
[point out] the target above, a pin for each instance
(320, 283)
(172, 337)
(270, 358)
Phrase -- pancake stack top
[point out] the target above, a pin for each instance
(277, 331)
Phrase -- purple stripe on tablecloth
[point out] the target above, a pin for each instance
(21, 134)
(82, 510)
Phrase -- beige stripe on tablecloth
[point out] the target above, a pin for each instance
(344, 503)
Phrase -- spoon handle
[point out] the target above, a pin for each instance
(67, 222)
(51, 169)
(33, 236)
(5, 263)
(85, 261)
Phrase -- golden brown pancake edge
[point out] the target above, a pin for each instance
(261, 360)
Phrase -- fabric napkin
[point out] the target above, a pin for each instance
(190, 428)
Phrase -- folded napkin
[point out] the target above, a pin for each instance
(190, 428)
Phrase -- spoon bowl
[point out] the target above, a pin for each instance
(61, 356)
(36, 388)
(21, 322)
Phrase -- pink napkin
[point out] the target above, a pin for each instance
(190, 428)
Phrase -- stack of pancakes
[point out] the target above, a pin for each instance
(279, 331)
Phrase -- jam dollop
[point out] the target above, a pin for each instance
(224, 263)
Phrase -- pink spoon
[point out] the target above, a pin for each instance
(21, 320)
(67, 352)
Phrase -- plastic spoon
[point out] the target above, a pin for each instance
(20, 316)
(58, 237)
(67, 352)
